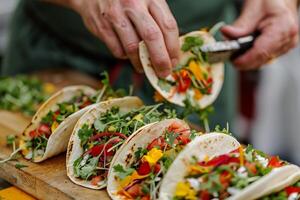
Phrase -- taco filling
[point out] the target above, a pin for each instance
(35, 143)
(193, 77)
(289, 193)
(225, 175)
(141, 180)
(101, 140)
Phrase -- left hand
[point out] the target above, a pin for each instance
(277, 20)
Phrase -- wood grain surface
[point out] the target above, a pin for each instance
(47, 180)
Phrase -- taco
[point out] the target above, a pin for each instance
(49, 131)
(193, 78)
(236, 173)
(100, 132)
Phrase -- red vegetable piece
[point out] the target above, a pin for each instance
(44, 129)
(156, 168)
(144, 168)
(158, 142)
(204, 195)
(106, 134)
(135, 190)
(275, 162)
(95, 180)
(292, 189)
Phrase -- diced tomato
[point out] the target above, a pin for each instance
(275, 162)
(225, 178)
(204, 195)
(184, 81)
(184, 140)
(134, 190)
(144, 168)
(158, 142)
(292, 189)
(209, 80)
(44, 129)
(33, 134)
(252, 167)
(95, 180)
(145, 197)
(105, 134)
(156, 168)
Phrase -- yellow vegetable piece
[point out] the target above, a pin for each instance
(196, 169)
(242, 160)
(139, 117)
(22, 145)
(198, 95)
(157, 97)
(111, 129)
(54, 126)
(129, 179)
(49, 88)
(196, 70)
(153, 156)
(185, 190)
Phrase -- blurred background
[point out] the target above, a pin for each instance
(268, 101)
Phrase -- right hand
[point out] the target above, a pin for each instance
(122, 24)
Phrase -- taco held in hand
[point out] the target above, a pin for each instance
(193, 78)
(138, 169)
(100, 133)
(49, 131)
(238, 173)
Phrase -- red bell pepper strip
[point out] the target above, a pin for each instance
(105, 134)
(292, 189)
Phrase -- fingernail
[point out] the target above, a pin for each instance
(164, 73)
(174, 62)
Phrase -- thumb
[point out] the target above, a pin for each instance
(246, 22)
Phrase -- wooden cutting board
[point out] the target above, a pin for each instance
(47, 180)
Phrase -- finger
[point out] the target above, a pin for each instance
(107, 34)
(266, 47)
(164, 18)
(127, 36)
(246, 22)
(150, 32)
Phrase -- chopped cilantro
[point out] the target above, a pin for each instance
(190, 42)
(85, 133)
(122, 173)
(10, 139)
(20, 165)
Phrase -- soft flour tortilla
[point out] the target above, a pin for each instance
(216, 144)
(178, 98)
(75, 150)
(125, 155)
(58, 140)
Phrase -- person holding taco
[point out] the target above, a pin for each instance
(81, 34)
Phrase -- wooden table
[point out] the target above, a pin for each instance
(47, 180)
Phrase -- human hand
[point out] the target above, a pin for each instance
(277, 21)
(122, 24)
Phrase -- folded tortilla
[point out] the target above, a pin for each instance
(75, 149)
(217, 71)
(216, 144)
(140, 139)
(58, 140)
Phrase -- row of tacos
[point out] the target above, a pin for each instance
(144, 152)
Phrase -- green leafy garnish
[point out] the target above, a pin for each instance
(190, 42)
(10, 139)
(122, 173)
(85, 133)
(22, 94)
(20, 165)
